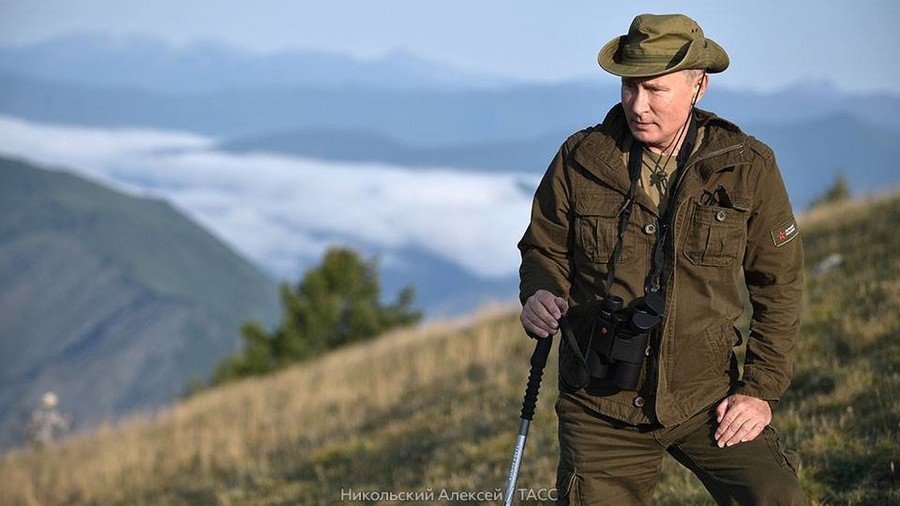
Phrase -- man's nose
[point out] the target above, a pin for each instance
(639, 101)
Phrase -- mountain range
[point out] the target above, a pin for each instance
(146, 63)
(418, 114)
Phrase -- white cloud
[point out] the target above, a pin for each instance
(283, 211)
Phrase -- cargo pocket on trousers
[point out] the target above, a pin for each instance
(787, 459)
(568, 488)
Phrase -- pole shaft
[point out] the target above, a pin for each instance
(514, 469)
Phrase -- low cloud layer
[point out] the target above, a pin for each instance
(282, 211)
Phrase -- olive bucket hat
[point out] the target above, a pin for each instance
(658, 44)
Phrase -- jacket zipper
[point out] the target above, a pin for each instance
(718, 152)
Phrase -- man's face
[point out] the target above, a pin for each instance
(657, 107)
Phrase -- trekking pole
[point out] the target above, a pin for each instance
(538, 361)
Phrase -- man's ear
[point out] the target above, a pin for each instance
(701, 87)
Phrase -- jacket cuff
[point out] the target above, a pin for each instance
(752, 390)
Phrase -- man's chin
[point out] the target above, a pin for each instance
(642, 135)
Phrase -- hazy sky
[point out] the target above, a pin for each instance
(772, 43)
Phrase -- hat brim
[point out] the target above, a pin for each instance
(705, 54)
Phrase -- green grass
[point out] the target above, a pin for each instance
(843, 412)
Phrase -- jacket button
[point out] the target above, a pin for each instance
(720, 216)
(638, 402)
(650, 229)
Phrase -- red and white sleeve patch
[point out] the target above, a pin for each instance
(785, 232)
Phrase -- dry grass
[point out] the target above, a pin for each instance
(437, 407)
(246, 436)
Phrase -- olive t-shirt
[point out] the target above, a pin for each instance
(657, 174)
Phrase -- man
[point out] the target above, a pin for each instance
(670, 209)
(47, 423)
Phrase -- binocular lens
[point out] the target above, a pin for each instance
(655, 303)
(611, 304)
(642, 322)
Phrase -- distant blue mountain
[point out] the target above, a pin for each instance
(143, 63)
(811, 153)
(415, 117)
(526, 155)
(209, 87)
(804, 102)
(419, 118)
(443, 288)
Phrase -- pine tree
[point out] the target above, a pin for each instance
(335, 304)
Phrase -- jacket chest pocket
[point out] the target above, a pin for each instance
(597, 228)
(715, 236)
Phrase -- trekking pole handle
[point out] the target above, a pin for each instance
(538, 362)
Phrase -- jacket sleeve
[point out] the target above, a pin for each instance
(773, 269)
(545, 245)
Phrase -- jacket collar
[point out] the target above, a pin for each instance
(606, 145)
(723, 147)
(603, 150)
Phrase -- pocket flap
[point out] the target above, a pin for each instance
(742, 202)
(607, 206)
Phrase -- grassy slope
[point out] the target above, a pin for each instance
(438, 408)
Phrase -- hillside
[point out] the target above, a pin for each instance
(114, 302)
(437, 408)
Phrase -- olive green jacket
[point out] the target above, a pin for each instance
(733, 225)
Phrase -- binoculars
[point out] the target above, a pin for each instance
(621, 337)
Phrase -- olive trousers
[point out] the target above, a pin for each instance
(606, 461)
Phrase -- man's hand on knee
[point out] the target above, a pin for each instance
(541, 313)
(741, 418)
